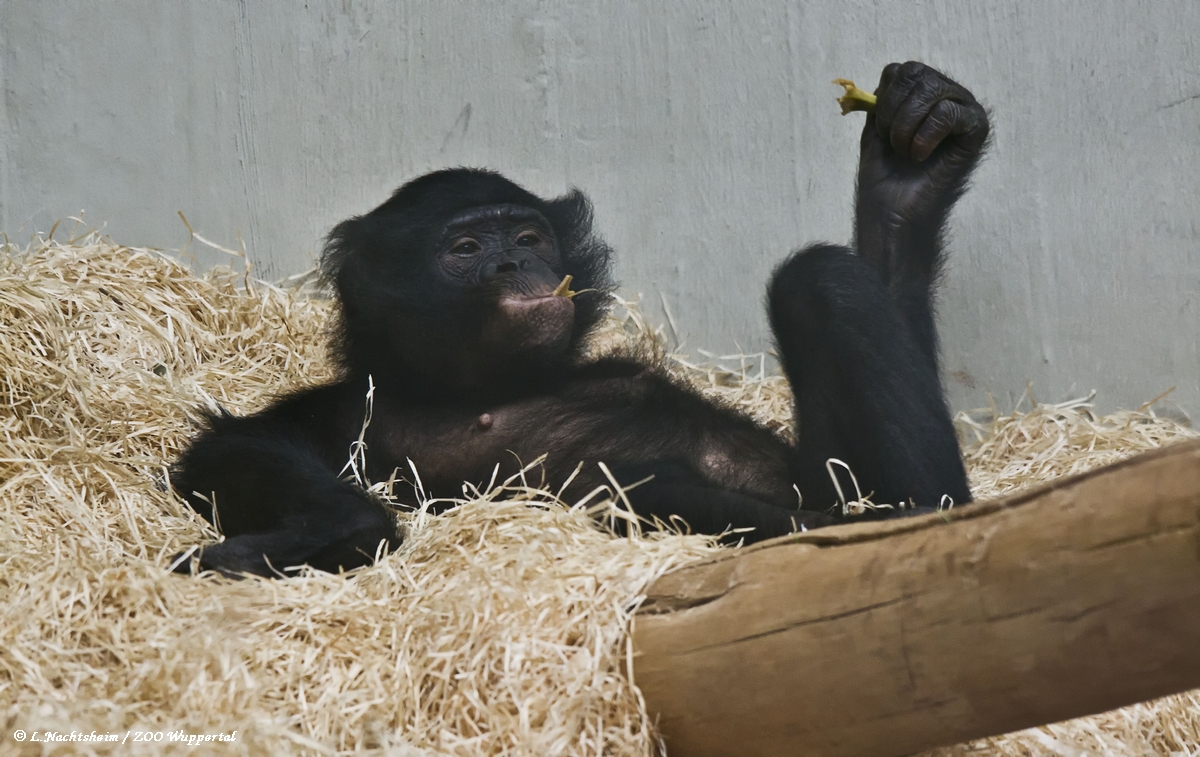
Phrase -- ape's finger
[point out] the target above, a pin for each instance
(911, 114)
(932, 89)
(939, 124)
(873, 150)
(971, 123)
(869, 132)
(886, 77)
(891, 97)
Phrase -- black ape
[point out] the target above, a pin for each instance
(448, 304)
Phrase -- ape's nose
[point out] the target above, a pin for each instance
(506, 263)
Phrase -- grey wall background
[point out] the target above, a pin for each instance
(705, 133)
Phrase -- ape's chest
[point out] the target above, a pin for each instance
(458, 442)
(614, 421)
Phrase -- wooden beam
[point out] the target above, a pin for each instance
(890, 638)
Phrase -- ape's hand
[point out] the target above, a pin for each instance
(919, 145)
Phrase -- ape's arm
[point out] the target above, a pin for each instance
(674, 491)
(278, 499)
(919, 147)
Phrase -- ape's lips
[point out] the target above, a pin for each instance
(534, 322)
(549, 302)
(561, 292)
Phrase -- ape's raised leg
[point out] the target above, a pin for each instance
(865, 391)
(856, 332)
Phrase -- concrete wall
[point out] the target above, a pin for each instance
(705, 132)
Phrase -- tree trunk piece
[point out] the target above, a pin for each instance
(889, 638)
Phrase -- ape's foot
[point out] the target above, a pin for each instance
(279, 553)
(236, 558)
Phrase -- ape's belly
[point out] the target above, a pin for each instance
(612, 421)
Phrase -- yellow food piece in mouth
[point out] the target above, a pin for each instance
(564, 289)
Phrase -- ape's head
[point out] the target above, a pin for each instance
(452, 282)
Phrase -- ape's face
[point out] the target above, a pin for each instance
(451, 284)
(505, 263)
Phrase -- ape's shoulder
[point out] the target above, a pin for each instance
(611, 368)
(324, 408)
(621, 385)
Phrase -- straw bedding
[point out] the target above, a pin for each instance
(499, 627)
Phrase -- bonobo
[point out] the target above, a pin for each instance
(449, 305)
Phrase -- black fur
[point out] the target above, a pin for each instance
(445, 307)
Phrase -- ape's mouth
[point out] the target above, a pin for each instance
(522, 303)
(533, 322)
(562, 291)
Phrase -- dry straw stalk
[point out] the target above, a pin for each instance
(499, 628)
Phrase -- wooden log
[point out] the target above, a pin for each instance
(890, 638)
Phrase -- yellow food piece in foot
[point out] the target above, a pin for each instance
(854, 98)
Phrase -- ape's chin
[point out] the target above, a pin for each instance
(532, 326)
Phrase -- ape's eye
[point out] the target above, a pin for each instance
(465, 247)
(528, 239)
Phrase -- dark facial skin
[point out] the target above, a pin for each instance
(506, 258)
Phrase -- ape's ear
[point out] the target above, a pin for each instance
(351, 252)
(342, 243)
(586, 256)
(571, 216)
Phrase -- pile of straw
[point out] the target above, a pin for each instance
(499, 627)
